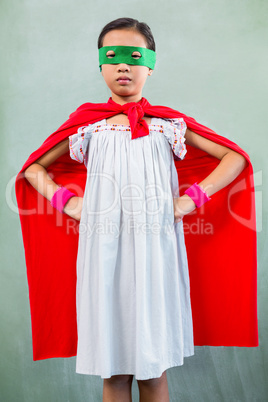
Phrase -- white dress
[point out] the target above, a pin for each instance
(133, 296)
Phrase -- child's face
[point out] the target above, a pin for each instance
(126, 90)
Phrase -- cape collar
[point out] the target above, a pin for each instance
(135, 112)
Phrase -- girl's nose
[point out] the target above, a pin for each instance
(123, 67)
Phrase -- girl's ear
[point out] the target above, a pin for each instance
(150, 72)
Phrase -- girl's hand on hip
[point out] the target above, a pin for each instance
(182, 206)
(73, 207)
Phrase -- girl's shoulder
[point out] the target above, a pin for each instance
(174, 131)
(168, 122)
(88, 129)
(171, 126)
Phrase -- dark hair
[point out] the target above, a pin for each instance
(128, 23)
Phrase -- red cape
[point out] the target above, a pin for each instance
(220, 241)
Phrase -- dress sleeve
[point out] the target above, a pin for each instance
(174, 131)
(79, 142)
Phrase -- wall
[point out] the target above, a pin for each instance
(212, 65)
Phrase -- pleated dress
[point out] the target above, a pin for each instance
(133, 293)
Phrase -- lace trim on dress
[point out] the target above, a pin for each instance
(78, 143)
(174, 131)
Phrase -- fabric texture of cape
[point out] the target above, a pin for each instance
(220, 240)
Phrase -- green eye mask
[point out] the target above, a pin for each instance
(123, 54)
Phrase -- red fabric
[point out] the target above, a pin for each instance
(220, 241)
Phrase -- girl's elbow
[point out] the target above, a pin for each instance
(28, 170)
(241, 162)
(32, 170)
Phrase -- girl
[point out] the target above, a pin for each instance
(133, 305)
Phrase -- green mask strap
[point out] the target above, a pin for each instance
(123, 54)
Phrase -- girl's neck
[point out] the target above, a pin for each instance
(122, 100)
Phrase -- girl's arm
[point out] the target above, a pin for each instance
(37, 175)
(230, 166)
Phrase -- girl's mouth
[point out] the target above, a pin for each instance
(123, 80)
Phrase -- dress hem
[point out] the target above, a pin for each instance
(103, 376)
